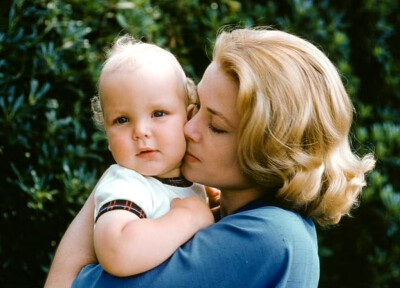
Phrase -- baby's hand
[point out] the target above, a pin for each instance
(196, 209)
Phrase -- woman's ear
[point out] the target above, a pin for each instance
(191, 110)
(109, 148)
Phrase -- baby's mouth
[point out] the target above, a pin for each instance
(145, 153)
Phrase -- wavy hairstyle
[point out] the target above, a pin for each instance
(126, 53)
(295, 122)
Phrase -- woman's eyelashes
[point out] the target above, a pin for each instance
(215, 129)
(210, 125)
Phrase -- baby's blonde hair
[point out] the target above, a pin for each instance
(126, 53)
(295, 122)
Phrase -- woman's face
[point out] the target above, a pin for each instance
(212, 134)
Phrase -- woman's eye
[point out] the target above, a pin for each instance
(215, 130)
(122, 120)
(159, 114)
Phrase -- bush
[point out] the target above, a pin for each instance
(51, 154)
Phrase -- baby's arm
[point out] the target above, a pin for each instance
(126, 245)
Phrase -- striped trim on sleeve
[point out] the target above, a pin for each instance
(121, 205)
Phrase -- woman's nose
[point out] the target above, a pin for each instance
(191, 129)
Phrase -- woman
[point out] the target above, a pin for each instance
(272, 134)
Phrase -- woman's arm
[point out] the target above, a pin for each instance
(265, 247)
(75, 249)
(126, 245)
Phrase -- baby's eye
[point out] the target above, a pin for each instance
(159, 114)
(122, 120)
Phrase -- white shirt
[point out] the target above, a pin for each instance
(149, 193)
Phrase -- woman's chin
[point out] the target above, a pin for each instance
(191, 172)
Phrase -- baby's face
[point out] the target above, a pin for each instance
(144, 115)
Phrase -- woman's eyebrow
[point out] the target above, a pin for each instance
(220, 115)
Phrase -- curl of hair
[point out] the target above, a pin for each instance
(295, 122)
(97, 112)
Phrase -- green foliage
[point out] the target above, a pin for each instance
(52, 155)
(49, 159)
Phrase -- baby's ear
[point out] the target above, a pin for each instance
(191, 110)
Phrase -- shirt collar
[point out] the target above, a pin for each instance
(250, 206)
(175, 181)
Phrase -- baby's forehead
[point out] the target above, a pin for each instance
(145, 58)
(133, 56)
(156, 58)
(149, 52)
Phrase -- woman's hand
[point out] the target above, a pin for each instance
(214, 197)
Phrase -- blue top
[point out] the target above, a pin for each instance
(258, 246)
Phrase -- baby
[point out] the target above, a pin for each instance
(143, 104)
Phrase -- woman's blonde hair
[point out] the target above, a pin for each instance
(295, 122)
(126, 52)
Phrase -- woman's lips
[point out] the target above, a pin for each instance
(191, 158)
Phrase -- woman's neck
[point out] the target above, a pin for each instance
(233, 200)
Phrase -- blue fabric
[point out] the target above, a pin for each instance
(259, 246)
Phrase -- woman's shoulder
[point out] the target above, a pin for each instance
(266, 238)
(274, 224)
(275, 215)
